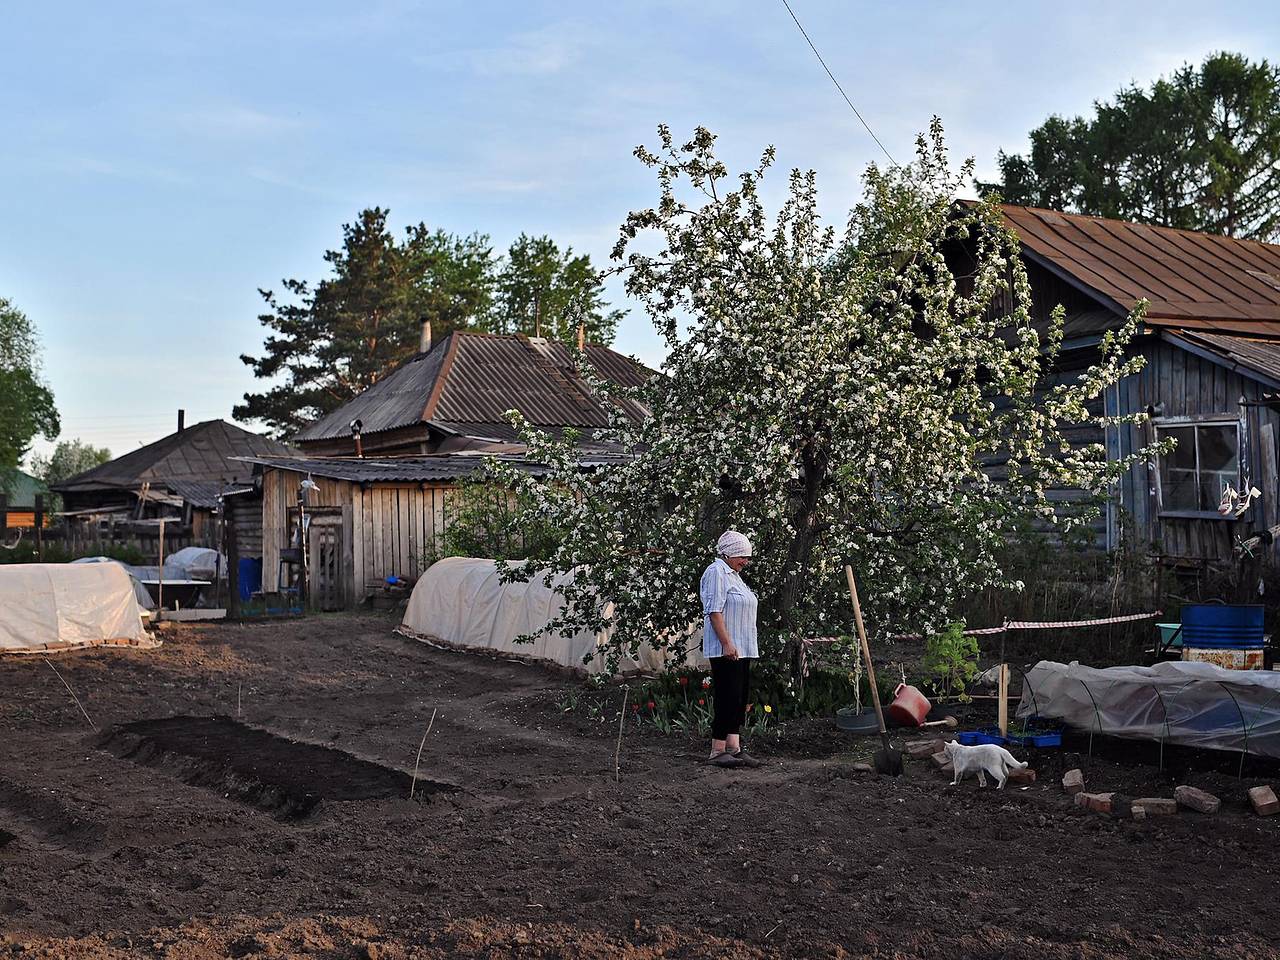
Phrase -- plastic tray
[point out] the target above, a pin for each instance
(972, 738)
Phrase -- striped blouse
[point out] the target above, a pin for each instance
(724, 592)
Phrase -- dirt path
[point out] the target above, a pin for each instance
(538, 852)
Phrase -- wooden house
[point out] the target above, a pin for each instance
(456, 394)
(423, 429)
(1211, 339)
(179, 477)
(18, 501)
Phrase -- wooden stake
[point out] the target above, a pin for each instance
(617, 753)
(414, 784)
(1004, 699)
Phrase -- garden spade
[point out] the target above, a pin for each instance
(886, 759)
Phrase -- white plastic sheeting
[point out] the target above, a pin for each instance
(1195, 704)
(55, 606)
(136, 574)
(195, 563)
(461, 601)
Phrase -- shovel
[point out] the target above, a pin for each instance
(886, 759)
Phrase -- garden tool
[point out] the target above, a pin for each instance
(886, 759)
(949, 722)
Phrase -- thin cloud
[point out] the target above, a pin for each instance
(543, 52)
(233, 121)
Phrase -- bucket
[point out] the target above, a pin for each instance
(909, 707)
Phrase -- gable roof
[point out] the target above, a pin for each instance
(21, 488)
(1194, 281)
(469, 380)
(199, 454)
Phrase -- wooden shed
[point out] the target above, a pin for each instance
(1211, 339)
(368, 519)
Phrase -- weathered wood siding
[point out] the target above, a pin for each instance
(393, 527)
(1190, 385)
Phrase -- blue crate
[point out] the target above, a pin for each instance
(1037, 739)
(972, 738)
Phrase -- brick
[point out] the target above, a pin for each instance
(1196, 799)
(1155, 806)
(1264, 801)
(1073, 781)
(862, 768)
(1020, 778)
(1139, 813)
(922, 749)
(1097, 802)
(941, 760)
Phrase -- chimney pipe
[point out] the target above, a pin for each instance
(182, 420)
(425, 343)
(356, 427)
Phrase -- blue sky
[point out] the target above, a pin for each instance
(161, 161)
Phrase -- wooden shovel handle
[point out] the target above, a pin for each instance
(866, 649)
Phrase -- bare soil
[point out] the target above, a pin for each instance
(139, 841)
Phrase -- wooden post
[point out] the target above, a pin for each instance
(4, 513)
(160, 575)
(1004, 700)
(232, 550)
(40, 527)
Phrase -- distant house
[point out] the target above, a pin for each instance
(455, 396)
(20, 503)
(178, 477)
(425, 428)
(1211, 338)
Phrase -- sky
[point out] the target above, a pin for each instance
(160, 162)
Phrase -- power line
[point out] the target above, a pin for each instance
(805, 34)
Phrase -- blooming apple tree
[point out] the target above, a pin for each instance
(873, 395)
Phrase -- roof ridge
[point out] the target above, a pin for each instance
(1138, 223)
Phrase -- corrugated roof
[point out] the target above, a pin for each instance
(202, 452)
(425, 469)
(1195, 281)
(1247, 353)
(475, 378)
(21, 489)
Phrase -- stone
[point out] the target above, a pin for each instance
(1139, 813)
(1264, 801)
(1155, 806)
(921, 749)
(1020, 778)
(1196, 799)
(941, 761)
(1073, 782)
(862, 768)
(1097, 802)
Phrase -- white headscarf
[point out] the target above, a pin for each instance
(733, 544)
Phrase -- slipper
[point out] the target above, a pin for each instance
(725, 759)
(746, 759)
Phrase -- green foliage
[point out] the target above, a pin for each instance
(541, 289)
(333, 340)
(1199, 150)
(26, 404)
(950, 661)
(489, 520)
(330, 341)
(835, 395)
(69, 458)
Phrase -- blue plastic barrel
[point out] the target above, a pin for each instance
(1222, 626)
(250, 573)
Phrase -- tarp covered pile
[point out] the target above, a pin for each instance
(462, 602)
(1195, 704)
(58, 606)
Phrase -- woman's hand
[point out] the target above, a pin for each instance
(729, 650)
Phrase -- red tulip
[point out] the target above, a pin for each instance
(652, 704)
(701, 702)
(684, 681)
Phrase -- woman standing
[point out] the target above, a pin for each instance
(729, 642)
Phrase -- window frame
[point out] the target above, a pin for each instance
(1164, 424)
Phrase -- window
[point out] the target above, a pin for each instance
(1206, 459)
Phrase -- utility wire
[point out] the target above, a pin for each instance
(805, 34)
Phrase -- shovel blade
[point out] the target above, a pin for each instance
(888, 762)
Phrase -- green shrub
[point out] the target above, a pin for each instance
(950, 661)
(485, 522)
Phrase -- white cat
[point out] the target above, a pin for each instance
(984, 758)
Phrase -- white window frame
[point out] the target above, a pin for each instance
(1163, 424)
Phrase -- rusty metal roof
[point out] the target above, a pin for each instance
(1194, 281)
(475, 378)
(1252, 357)
(204, 453)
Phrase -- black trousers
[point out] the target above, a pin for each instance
(730, 681)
